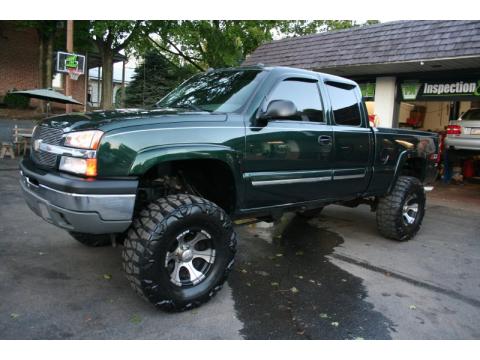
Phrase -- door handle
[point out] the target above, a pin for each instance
(325, 140)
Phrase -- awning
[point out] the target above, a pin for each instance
(48, 95)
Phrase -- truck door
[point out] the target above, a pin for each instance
(353, 140)
(289, 160)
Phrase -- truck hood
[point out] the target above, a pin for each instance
(115, 119)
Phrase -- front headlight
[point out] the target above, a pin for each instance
(86, 167)
(84, 139)
(86, 164)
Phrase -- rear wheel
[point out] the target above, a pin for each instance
(91, 239)
(400, 214)
(179, 251)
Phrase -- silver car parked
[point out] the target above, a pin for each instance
(464, 133)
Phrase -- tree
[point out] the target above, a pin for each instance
(223, 43)
(154, 78)
(289, 28)
(208, 43)
(110, 37)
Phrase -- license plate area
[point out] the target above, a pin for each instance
(475, 131)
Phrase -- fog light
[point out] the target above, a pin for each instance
(86, 167)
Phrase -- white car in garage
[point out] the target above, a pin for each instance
(464, 133)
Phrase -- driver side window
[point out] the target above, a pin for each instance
(305, 96)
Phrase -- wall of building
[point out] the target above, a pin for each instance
(18, 59)
(437, 114)
(95, 90)
(19, 63)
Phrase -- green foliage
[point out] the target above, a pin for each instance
(15, 101)
(153, 79)
(224, 43)
(207, 43)
(114, 35)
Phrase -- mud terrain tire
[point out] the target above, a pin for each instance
(168, 231)
(400, 213)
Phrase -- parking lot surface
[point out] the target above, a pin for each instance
(332, 277)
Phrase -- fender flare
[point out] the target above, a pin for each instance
(402, 159)
(153, 156)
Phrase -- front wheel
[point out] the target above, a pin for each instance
(179, 251)
(400, 213)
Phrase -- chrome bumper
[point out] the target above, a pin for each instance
(87, 213)
(463, 143)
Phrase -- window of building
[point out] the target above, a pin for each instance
(57, 81)
(305, 96)
(344, 104)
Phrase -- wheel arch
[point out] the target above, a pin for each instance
(211, 160)
(409, 163)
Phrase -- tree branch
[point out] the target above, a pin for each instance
(190, 59)
(130, 37)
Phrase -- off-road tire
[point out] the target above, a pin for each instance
(91, 239)
(151, 235)
(310, 214)
(390, 221)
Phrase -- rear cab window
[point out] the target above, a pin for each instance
(345, 104)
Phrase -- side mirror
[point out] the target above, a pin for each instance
(279, 109)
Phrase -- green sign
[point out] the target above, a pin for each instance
(368, 90)
(410, 90)
(440, 89)
(71, 62)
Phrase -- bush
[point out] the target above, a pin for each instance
(15, 101)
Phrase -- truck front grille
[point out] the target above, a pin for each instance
(48, 135)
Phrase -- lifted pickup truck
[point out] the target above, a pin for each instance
(231, 144)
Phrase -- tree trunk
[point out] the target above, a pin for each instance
(107, 79)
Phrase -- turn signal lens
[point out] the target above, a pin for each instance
(87, 167)
(84, 139)
(454, 129)
(91, 167)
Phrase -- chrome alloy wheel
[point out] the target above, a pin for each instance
(410, 210)
(190, 258)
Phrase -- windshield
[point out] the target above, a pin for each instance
(472, 114)
(219, 91)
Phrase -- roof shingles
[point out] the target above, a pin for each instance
(398, 41)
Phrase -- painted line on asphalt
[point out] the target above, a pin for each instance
(392, 274)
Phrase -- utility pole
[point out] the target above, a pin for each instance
(68, 81)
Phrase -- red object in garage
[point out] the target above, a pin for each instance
(468, 170)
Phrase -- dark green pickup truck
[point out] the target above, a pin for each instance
(231, 144)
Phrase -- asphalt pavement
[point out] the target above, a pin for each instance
(332, 277)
